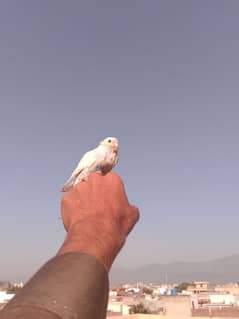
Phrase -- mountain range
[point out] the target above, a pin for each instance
(216, 271)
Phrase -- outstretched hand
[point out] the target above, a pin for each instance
(98, 217)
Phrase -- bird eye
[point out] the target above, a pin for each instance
(109, 141)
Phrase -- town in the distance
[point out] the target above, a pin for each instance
(184, 300)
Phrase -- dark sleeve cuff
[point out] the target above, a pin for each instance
(69, 286)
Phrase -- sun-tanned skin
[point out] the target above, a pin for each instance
(98, 217)
(74, 284)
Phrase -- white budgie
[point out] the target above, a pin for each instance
(103, 158)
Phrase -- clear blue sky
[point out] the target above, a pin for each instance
(162, 76)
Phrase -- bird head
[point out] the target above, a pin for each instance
(111, 142)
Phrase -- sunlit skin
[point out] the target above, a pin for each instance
(98, 217)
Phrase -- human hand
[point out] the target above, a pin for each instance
(98, 217)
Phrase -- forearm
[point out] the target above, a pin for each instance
(71, 285)
(98, 218)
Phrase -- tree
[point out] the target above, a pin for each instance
(121, 292)
(139, 308)
(183, 286)
(13, 290)
(147, 291)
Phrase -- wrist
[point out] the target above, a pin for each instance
(99, 241)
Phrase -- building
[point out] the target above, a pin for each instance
(5, 298)
(231, 288)
(198, 287)
(117, 308)
(113, 293)
(215, 305)
(4, 285)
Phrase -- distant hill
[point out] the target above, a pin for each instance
(219, 271)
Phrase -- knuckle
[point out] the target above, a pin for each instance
(114, 177)
(66, 201)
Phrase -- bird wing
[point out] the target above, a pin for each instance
(89, 161)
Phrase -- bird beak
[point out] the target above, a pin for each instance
(115, 147)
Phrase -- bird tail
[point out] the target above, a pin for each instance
(68, 184)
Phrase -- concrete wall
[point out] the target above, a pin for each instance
(140, 316)
(177, 306)
(230, 312)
